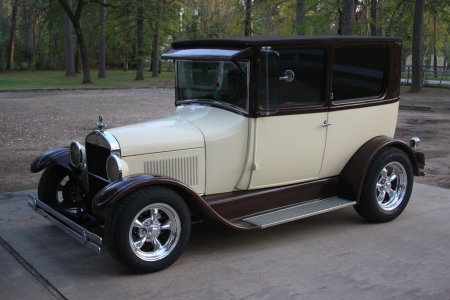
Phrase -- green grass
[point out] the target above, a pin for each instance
(57, 80)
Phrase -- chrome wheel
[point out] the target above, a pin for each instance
(391, 186)
(154, 232)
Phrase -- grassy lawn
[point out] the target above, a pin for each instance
(57, 80)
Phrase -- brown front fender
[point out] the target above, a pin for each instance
(352, 176)
(58, 156)
(118, 190)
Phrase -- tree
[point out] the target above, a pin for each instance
(156, 36)
(417, 68)
(300, 17)
(101, 42)
(68, 43)
(140, 40)
(346, 17)
(248, 18)
(373, 17)
(75, 17)
(12, 35)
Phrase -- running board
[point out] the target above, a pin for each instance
(299, 211)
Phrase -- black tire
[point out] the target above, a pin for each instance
(156, 247)
(385, 196)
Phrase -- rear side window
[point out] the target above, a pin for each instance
(359, 72)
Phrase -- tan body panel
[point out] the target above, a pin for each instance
(226, 139)
(167, 134)
(350, 129)
(288, 149)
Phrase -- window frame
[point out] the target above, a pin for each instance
(383, 97)
(219, 104)
(297, 109)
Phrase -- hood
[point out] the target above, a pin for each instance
(167, 134)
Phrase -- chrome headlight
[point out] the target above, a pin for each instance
(77, 154)
(114, 168)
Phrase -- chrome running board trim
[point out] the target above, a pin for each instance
(79, 233)
(299, 211)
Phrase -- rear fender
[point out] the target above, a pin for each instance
(352, 176)
(118, 190)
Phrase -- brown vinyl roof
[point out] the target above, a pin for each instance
(280, 40)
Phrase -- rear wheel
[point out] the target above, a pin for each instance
(387, 187)
(149, 229)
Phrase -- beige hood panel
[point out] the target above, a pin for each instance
(168, 134)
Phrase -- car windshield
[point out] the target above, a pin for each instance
(217, 82)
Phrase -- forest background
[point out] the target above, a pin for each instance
(80, 35)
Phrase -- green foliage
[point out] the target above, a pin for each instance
(40, 34)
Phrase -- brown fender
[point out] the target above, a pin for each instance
(118, 190)
(352, 176)
(58, 156)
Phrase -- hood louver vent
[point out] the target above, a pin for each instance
(184, 169)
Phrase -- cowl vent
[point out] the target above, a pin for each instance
(184, 169)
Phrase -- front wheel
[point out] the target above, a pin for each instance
(149, 229)
(387, 187)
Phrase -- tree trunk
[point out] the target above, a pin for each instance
(75, 17)
(435, 68)
(77, 62)
(84, 56)
(346, 17)
(156, 35)
(12, 35)
(417, 67)
(445, 64)
(125, 60)
(140, 41)
(3, 30)
(101, 42)
(300, 17)
(248, 18)
(68, 43)
(373, 17)
(26, 28)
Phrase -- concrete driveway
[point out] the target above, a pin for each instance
(331, 256)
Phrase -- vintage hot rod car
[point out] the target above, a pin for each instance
(267, 130)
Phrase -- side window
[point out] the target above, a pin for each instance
(358, 72)
(292, 77)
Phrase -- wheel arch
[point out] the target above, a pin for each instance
(352, 176)
(118, 190)
(58, 157)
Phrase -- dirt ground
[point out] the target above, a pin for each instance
(32, 122)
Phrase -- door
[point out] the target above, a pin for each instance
(358, 85)
(290, 135)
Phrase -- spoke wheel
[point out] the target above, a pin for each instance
(148, 230)
(59, 191)
(391, 186)
(387, 186)
(154, 232)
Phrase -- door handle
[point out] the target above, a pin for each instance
(325, 123)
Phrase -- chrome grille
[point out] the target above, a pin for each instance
(99, 146)
(96, 159)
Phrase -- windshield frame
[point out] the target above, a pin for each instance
(217, 103)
